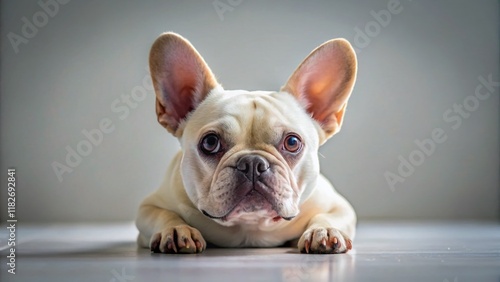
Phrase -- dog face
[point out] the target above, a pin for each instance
(250, 157)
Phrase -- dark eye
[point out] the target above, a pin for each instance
(210, 144)
(292, 143)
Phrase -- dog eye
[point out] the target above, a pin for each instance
(210, 144)
(292, 143)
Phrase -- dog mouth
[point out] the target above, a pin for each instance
(251, 191)
(253, 204)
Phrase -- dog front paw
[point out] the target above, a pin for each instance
(324, 241)
(178, 239)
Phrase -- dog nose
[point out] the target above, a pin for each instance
(252, 165)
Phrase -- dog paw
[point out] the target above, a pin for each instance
(179, 239)
(324, 241)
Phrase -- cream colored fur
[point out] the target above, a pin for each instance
(305, 209)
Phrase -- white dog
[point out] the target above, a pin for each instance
(248, 172)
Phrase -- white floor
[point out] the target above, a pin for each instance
(439, 252)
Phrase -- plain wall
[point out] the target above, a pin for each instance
(73, 73)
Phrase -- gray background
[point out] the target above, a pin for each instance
(425, 60)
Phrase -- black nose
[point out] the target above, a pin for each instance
(252, 166)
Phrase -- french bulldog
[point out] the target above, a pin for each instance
(248, 172)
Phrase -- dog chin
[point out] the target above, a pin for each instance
(252, 210)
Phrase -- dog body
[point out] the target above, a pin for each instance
(248, 172)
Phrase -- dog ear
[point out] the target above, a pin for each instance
(323, 83)
(181, 79)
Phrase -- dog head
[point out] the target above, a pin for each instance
(250, 156)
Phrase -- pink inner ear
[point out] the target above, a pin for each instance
(181, 78)
(181, 84)
(178, 106)
(323, 82)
